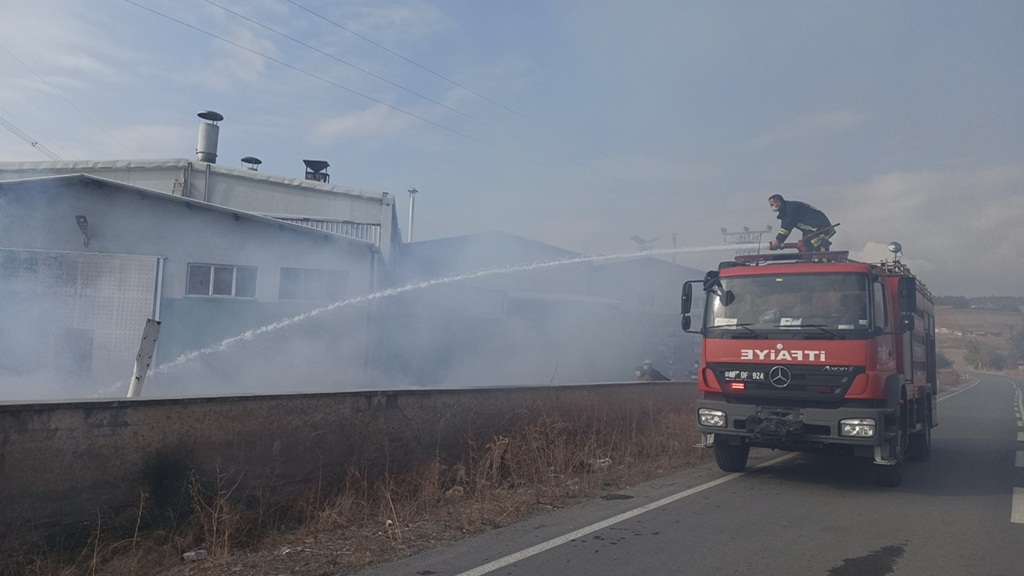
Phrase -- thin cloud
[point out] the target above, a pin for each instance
(655, 119)
(373, 122)
(54, 42)
(963, 226)
(394, 23)
(811, 127)
(233, 66)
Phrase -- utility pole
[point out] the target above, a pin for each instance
(746, 237)
(412, 209)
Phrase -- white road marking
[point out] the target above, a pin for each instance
(1017, 514)
(543, 546)
(1019, 408)
(1017, 504)
(960, 391)
(1017, 508)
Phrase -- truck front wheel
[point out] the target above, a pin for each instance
(891, 475)
(731, 457)
(919, 449)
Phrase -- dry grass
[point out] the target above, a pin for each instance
(950, 379)
(341, 524)
(993, 329)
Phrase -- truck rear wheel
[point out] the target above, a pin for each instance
(731, 457)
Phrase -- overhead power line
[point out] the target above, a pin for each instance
(28, 139)
(475, 93)
(66, 99)
(355, 92)
(408, 90)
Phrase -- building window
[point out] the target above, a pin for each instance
(310, 284)
(221, 280)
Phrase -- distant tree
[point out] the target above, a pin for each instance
(1007, 303)
(976, 354)
(1017, 343)
(972, 353)
(959, 302)
(942, 362)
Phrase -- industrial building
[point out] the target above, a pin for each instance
(85, 261)
(538, 314)
(269, 284)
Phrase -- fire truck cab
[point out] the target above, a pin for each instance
(814, 351)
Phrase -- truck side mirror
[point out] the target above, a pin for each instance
(686, 304)
(727, 297)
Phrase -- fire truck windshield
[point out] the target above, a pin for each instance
(789, 305)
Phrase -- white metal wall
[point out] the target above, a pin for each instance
(84, 314)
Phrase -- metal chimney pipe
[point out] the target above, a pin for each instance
(412, 209)
(209, 133)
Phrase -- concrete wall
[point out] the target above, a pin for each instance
(70, 463)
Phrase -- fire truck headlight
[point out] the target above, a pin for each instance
(857, 427)
(711, 418)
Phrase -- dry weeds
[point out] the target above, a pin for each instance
(342, 524)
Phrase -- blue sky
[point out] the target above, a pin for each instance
(579, 123)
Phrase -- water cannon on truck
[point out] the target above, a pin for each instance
(812, 351)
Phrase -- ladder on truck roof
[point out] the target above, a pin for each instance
(802, 255)
(834, 256)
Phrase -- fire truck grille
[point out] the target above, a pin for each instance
(808, 385)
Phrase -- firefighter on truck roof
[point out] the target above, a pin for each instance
(804, 217)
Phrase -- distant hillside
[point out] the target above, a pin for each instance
(1007, 303)
(991, 329)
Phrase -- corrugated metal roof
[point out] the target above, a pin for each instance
(96, 180)
(178, 163)
(358, 230)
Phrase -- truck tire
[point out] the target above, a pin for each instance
(731, 457)
(919, 447)
(889, 475)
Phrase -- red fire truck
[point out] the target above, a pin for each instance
(814, 351)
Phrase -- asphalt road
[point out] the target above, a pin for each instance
(792, 514)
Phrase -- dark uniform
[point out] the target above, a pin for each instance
(648, 373)
(806, 218)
